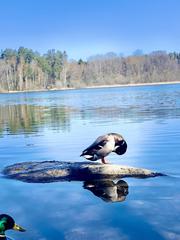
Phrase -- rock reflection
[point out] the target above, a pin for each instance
(108, 190)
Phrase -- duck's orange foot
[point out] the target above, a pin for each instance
(104, 161)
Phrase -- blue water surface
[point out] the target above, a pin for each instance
(58, 125)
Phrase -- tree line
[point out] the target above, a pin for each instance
(25, 69)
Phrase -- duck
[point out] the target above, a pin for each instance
(7, 223)
(103, 146)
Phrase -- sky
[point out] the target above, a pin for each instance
(89, 27)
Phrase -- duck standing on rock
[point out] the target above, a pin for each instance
(7, 223)
(104, 145)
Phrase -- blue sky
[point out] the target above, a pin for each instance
(89, 27)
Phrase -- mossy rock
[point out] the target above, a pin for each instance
(51, 171)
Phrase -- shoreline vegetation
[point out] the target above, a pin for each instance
(94, 87)
(25, 70)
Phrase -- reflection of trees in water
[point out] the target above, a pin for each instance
(133, 107)
(29, 118)
(108, 190)
(131, 113)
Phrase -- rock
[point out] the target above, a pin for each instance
(51, 171)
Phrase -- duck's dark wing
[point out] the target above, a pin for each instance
(95, 146)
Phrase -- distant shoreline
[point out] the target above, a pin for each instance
(95, 86)
(133, 85)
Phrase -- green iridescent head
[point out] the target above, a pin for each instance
(7, 223)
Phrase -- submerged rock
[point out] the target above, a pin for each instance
(51, 171)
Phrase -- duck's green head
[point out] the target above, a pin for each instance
(7, 223)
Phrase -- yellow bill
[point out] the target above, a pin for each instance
(18, 228)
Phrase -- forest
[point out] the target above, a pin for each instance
(25, 69)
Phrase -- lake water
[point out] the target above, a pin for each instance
(58, 126)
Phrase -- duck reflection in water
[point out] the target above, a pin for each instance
(108, 190)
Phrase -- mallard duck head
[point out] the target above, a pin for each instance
(7, 223)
